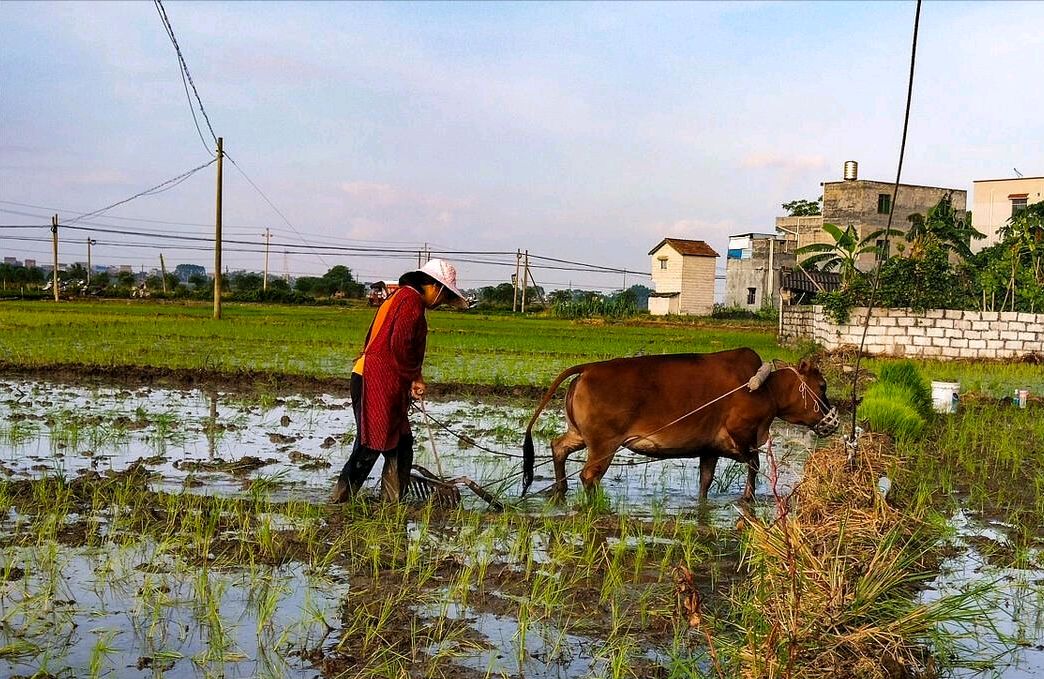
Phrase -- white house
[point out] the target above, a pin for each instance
(683, 275)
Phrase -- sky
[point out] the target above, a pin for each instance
(579, 131)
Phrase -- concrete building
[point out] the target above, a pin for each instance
(30, 263)
(12, 261)
(995, 201)
(752, 269)
(865, 204)
(683, 275)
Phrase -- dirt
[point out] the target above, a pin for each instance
(247, 463)
(246, 381)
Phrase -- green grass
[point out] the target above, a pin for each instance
(467, 348)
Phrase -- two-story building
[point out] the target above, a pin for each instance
(995, 201)
(865, 205)
(752, 268)
(683, 276)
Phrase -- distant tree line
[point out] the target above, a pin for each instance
(188, 281)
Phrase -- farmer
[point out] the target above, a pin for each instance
(388, 374)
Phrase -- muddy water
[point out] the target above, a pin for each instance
(218, 442)
(101, 605)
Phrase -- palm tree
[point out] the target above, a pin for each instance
(844, 252)
(944, 225)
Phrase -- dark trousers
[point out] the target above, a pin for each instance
(397, 462)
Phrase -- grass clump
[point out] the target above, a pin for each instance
(832, 584)
(899, 403)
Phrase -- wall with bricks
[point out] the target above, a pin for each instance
(935, 333)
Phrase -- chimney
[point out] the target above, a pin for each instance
(851, 170)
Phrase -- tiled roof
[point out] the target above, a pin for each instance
(696, 248)
(813, 281)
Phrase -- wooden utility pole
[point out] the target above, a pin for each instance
(90, 242)
(217, 235)
(525, 280)
(268, 239)
(54, 241)
(518, 263)
(163, 273)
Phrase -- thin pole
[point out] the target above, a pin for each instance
(163, 273)
(268, 239)
(217, 234)
(525, 280)
(518, 263)
(54, 241)
(90, 242)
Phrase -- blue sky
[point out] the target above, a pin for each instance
(585, 131)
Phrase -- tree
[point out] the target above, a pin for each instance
(951, 230)
(198, 280)
(844, 252)
(246, 282)
(1023, 248)
(185, 272)
(803, 208)
(339, 279)
(126, 279)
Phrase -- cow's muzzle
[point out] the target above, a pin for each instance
(829, 424)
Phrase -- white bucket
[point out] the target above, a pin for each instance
(944, 396)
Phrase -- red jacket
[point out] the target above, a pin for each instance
(392, 360)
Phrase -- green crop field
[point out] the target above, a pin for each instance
(464, 348)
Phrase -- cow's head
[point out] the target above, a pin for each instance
(804, 399)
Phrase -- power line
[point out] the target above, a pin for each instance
(158, 188)
(185, 74)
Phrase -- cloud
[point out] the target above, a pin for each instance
(786, 163)
(376, 194)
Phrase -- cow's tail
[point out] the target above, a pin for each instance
(528, 454)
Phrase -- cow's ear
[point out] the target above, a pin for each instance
(805, 365)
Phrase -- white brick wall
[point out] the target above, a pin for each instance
(936, 333)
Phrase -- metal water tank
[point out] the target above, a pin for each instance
(851, 170)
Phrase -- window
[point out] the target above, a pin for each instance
(884, 203)
(752, 294)
(663, 263)
(1017, 205)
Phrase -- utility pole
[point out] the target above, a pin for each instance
(518, 262)
(90, 242)
(54, 241)
(217, 234)
(525, 280)
(268, 239)
(286, 268)
(163, 273)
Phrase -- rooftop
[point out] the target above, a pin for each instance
(697, 248)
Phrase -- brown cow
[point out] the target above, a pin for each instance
(680, 405)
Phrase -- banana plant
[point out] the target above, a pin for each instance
(842, 254)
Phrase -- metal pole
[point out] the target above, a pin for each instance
(217, 234)
(268, 239)
(514, 299)
(54, 241)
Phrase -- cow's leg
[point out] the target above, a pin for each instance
(561, 448)
(707, 465)
(753, 464)
(598, 460)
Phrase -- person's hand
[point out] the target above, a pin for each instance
(418, 388)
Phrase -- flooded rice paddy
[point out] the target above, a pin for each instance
(88, 597)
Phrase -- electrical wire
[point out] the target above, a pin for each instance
(888, 229)
(159, 188)
(185, 74)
